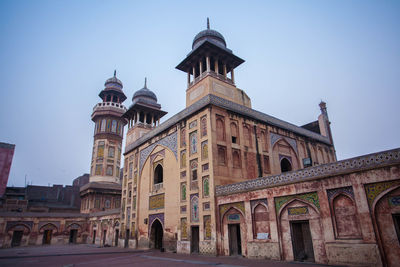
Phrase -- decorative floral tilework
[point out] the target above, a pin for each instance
(153, 217)
(194, 208)
(333, 192)
(255, 202)
(309, 197)
(169, 141)
(193, 124)
(373, 190)
(207, 227)
(225, 207)
(184, 233)
(394, 201)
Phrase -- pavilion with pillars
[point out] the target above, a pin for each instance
(144, 113)
(209, 56)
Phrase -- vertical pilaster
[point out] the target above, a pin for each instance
(208, 63)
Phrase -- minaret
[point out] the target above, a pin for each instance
(210, 69)
(143, 115)
(104, 188)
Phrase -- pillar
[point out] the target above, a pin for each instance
(201, 67)
(188, 77)
(216, 65)
(225, 71)
(208, 63)
(145, 118)
(232, 76)
(194, 73)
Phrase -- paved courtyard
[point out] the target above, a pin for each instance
(89, 255)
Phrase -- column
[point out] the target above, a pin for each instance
(201, 67)
(194, 73)
(232, 76)
(225, 71)
(145, 118)
(152, 120)
(188, 77)
(137, 116)
(208, 63)
(216, 65)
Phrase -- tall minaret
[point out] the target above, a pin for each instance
(104, 188)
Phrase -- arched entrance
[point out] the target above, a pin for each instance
(156, 235)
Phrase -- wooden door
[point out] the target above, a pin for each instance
(16, 238)
(47, 237)
(94, 237)
(195, 240)
(235, 242)
(72, 236)
(116, 237)
(302, 241)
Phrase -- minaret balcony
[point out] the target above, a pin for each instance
(103, 106)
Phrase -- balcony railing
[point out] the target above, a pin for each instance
(157, 187)
(109, 104)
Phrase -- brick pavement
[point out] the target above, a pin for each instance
(89, 255)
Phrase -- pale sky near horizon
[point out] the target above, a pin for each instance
(56, 55)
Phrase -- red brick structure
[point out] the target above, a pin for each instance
(346, 212)
(6, 156)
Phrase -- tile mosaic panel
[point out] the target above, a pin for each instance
(394, 201)
(169, 141)
(309, 197)
(153, 217)
(193, 124)
(184, 232)
(194, 208)
(156, 202)
(225, 207)
(207, 227)
(334, 192)
(206, 206)
(234, 217)
(298, 210)
(373, 190)
(255, 202)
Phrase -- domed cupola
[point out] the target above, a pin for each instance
(209, 35)
(145, 95)
(113, 90)
(144, 113)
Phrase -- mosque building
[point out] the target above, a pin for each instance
(221, 178)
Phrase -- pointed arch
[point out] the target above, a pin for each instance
(344, 211)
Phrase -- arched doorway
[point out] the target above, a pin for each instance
(286, 166)
(156, 235)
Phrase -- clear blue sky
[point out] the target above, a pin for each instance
(56, 55)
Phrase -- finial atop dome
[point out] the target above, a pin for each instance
(115, 73)
(208, 23)
(145, 82)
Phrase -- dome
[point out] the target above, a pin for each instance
(208, 35)
(113, 82)
(145, 95)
